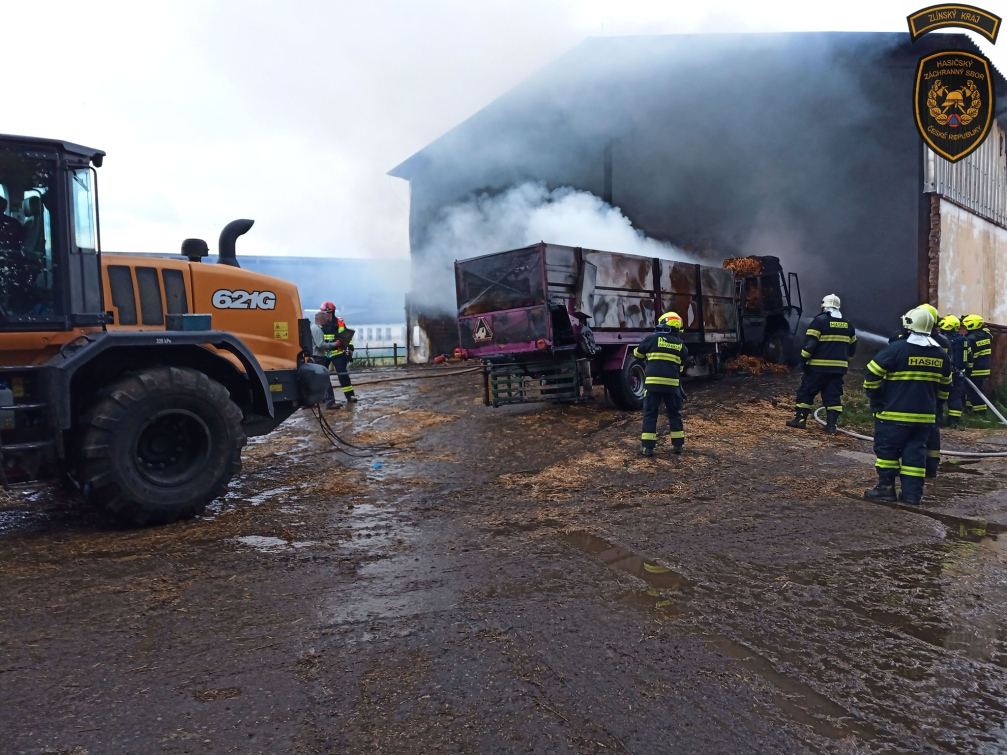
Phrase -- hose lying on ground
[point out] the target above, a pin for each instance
(967, 454)
(338, 443)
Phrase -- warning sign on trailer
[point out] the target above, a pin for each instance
(482, 331)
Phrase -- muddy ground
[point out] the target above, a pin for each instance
(518, 580)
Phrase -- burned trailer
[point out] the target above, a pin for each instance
(546, 318)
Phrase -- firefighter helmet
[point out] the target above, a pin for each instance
(670, 320)
(918, 321)
(972, 322)
(328, 306)
(932, 310)
(949, 323)
(830, 302)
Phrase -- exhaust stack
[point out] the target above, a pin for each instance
(226, 254)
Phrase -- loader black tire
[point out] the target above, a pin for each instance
(159, 445)
(625, 386)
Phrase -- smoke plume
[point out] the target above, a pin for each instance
(520, 216)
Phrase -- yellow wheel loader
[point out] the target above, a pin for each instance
(137, 377)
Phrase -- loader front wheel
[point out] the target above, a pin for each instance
(159, 445)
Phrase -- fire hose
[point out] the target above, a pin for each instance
(337, 442)
(966, 454)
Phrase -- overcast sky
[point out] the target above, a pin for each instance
(292, 112)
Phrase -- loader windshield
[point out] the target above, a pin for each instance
(27, 194)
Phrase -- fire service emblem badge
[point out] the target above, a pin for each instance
(954, 102)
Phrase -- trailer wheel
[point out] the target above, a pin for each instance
(778, 347)
(625, 386)
(159, 445)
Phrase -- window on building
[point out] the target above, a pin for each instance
(388, 334)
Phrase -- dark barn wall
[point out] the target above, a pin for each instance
(800, 145)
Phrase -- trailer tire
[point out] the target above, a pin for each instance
(778, 348)
(625, 386)
(159, 445)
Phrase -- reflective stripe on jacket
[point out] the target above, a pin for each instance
(331, 333)
(828, 344)
(905, 382)
(664, 353)
(980, 352)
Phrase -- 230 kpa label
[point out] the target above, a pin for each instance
(224, 299)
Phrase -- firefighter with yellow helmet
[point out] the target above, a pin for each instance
(665, 355)
(980, 342)
(951, 327)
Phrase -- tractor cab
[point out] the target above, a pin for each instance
(50, 270)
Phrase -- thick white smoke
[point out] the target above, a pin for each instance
(522, 215)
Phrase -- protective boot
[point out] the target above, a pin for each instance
(800, 419)
(676, 449)
(903, 498)
(953, 421)
(933, 463)
(647, 451)
(885, 489)
(830, 422)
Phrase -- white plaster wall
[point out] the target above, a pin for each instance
(973, 265)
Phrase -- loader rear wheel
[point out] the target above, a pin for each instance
(159, 445)
(625, 386)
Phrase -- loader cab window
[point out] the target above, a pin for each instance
(83, 211)
(27, 268)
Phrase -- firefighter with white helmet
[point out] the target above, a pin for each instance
(665, 355)
(907, 384)
(829, 343)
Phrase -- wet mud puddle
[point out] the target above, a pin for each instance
(795, 700)
(665, 585)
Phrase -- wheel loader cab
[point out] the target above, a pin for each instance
(49, 265)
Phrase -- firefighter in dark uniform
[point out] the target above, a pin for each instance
(942, 339)
(829, 343)
(959, 352)
(980, 342)
(934, 438)
(665, 354)
(338, 351)
(907, 384)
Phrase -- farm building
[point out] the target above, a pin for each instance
(801, 146)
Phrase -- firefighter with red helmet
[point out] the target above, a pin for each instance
(665, 355)
(337, 350)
